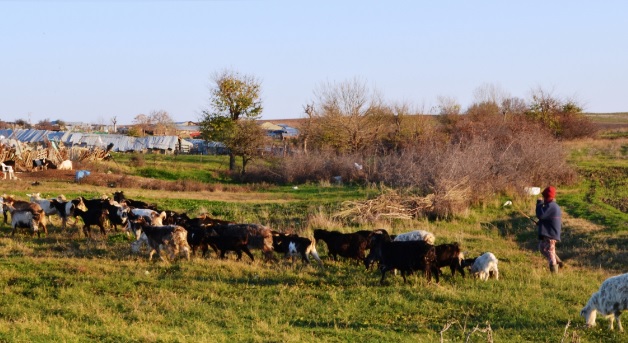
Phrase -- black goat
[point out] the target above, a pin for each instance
(450, 255)
(406, 256)
(349, 245)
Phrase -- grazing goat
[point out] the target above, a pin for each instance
(120, 198)
(259, 236)
(45, 204)
(197, 238)
(43, 164)
(10, 201)
(65, 208)
(155, 218)
(206, 221)
(610, 300)
(65, 165)
(171, 238)
(350, 245)
(234, 237)
(406, 256)
(292, 245)
(93, 216)
(28, 219)
(118, 214)
(417, 235)
(377, 235)
(483, 267)
(179, 218)
(450, 255)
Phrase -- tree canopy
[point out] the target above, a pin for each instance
(233, 97)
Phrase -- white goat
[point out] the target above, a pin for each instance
(156, 218)
(484, 266)
(417, 235)
(65, 165)
(609, 300)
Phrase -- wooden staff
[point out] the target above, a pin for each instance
(527, 216)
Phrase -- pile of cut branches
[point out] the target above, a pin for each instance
(447, 201)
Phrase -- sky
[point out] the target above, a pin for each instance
(91, 61)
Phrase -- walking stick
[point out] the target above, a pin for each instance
(527, 216)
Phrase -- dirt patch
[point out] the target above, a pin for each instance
(47, 175)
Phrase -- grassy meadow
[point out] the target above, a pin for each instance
(64, 287)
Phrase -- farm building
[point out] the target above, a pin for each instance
(280, 131)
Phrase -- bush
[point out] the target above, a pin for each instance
(479, 159)
(301, 168)
(137, 160)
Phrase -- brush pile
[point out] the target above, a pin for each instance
(448, 199)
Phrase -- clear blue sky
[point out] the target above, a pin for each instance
(93, 60)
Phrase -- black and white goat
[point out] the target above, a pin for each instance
(65, 208)
(292, 246)
(171, 239)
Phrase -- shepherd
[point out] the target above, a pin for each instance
(549, 226)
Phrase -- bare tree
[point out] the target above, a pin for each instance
(490, 93)
(448, 105)
(306, 128)
(162, 123)
(114, 121)
(513, 106)
(346, 116)
(142, 122)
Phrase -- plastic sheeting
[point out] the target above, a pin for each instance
(120, 142)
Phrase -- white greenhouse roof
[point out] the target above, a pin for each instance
(120, 142)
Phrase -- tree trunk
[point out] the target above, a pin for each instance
(232, 161)
(244, 163)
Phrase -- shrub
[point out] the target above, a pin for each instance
(137, 160)
(477, 160)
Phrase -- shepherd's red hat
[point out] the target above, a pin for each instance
(549, 192)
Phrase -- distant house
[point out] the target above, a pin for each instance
(279, 131)
(289, 131)
(188, 129)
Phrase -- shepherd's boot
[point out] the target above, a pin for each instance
(554, 268)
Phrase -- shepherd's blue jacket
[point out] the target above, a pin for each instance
(549, 215)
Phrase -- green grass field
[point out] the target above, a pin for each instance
(64, 287)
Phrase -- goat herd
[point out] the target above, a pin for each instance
(170, 233)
